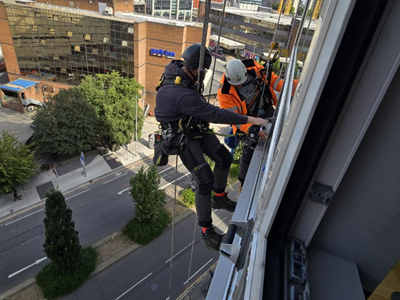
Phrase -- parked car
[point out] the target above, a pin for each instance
(218, 53)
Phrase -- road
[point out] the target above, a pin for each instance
(146, 272)
(99, 210)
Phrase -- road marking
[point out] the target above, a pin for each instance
(174, 181)
(23, 269)
(77, 194)
(134, 286)
(124, 190)
(197, 271)
(115, 178)
(220, 221)
(178, 252)
(23, 217)
(124, 206)
(169, 168)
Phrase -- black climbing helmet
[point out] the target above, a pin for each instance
(191, 57)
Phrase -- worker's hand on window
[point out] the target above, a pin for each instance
(261, 134)
(256, 121)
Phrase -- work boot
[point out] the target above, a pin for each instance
(212, 238)
(223, 202)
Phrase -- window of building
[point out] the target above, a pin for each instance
(71, 3)
(87, 37)
(37, 14)
(36, 88)
(77, 48)
(69, 33)
(42, 42)
(34, 28)
(130, 29)
(106, 40)
(52, 31)
(124, 44)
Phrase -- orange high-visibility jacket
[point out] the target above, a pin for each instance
(229, 99)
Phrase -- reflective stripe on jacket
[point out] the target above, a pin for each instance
(229, 99)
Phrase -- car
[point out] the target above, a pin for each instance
(217, 53)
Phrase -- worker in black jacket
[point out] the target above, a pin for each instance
(182, 110)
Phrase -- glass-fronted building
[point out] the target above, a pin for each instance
(63, 46)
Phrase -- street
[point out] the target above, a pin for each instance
(99, 209)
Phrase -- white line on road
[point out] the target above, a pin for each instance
(115, 178)
(174, 181)
(169, 168)
(77, 194)
(124, 206)
(134, 286)
(220, 221)
(197, 271)
(23, 269)
(178, 252)
(124, 190)
(23, 217)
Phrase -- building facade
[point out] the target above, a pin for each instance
(256, 29)
(61, 46)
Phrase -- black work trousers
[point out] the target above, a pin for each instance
(192, 157)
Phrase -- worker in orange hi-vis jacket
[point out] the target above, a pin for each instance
(241, 91)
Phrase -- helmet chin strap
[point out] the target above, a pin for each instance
(194, 77)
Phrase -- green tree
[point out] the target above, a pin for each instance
(62, 241)
(310, 12)
(17, 163)
(300, 11)
(114, 98)
(145, 193)
(291, 12)
(67, 124)
(275, 6)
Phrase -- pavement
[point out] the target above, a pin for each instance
(69, 174)
(34, 191)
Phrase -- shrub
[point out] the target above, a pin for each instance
(54, 284)
(144, 232)
(188, 197)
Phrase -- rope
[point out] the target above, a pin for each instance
(173, 228)
(217, 46)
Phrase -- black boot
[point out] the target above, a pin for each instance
(212, 238)
(223, 202)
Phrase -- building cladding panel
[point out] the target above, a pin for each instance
(68, 45)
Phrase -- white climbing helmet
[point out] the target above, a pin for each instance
(236, 72)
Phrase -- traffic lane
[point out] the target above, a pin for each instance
(131, 272)
(92, 226)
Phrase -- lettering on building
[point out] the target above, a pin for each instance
(162, 53)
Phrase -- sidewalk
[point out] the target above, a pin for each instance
(34, 191)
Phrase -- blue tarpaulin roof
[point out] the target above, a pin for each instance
(10, 88)
(24, 83)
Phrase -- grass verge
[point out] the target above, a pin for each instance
(53, 284)
(144, 233)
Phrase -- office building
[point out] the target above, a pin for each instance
(61, 46)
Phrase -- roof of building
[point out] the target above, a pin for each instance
(120, 16)
(17, 85)
(24, 83)
(10, 87)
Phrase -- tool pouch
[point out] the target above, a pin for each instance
(173, 141)
(160, 158)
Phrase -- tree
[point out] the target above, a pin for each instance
(17, 163)
(67, 124)
(145, 193)
(114, 98)
(300, 11)
(62, 241)
(275, 6)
